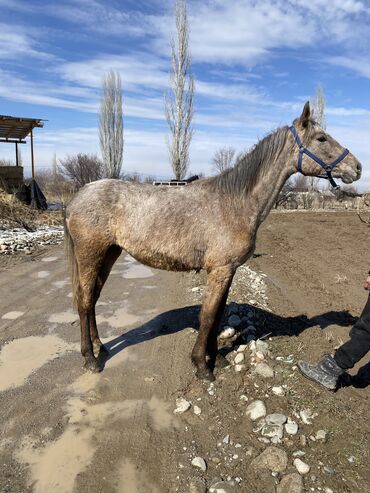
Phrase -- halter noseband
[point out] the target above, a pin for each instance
(327, 167)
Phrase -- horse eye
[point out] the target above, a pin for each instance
(322, 138)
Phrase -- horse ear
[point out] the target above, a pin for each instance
(305, 116)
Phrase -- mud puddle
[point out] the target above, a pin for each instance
(21, 357)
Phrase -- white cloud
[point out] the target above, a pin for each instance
(359, 65)
(15, 43)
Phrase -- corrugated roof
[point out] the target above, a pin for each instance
(13, 128)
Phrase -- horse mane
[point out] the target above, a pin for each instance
(246, 172)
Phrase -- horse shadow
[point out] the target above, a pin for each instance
(267, 324)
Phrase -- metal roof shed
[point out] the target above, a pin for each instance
(15, 129)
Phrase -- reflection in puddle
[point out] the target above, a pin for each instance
(63, 317)
(21, 357)
(61, 284)
(137, 271)
(12, 315)
(54, 467)
(161, 415)
(119, 319)
(133, 480)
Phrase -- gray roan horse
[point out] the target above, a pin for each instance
(210, 224)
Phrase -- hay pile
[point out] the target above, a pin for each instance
(15, 214)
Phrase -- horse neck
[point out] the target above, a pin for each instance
(265, 191)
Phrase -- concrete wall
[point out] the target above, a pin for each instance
(11, 178)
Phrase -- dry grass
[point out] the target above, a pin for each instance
(15, 214)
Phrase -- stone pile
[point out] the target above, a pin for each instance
(18, 240)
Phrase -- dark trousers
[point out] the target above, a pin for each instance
(359, 344)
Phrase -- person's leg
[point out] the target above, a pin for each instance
(359, 344)
(328, 371)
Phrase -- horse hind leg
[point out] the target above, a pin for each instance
(111, 255)
(88, 268)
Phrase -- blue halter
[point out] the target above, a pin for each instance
(327, 167)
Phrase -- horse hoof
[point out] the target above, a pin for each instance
(205, 375)
(92, 367)
(221, 362)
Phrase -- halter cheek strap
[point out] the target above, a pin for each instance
(327, 167)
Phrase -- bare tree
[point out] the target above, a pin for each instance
(179, 99)
(318, 109)
(54, 164)
(81, 168)
(6, 162)
(111, 125)
(318, 106)
(223, 159)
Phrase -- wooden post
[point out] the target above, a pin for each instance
(16, 154)
(32, 157)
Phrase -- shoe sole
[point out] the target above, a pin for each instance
(331, 389)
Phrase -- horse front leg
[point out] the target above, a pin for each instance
(218, 284)
(215, 358)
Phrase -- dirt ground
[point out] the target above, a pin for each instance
(65, 431)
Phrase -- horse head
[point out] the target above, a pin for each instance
(319, 152)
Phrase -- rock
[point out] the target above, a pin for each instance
(239, 358)
(182, 405)
(200, 463)
(272, 430)
(328, 490)
(244, 398)
(239, 368)
(299, 453)
(322, 435)
(197, 410)
(259, 356)
(329, 470)
(306, 416)
(262, 346)
(278, 390)
(222, 487)
(234, 320)
(291, 428)
(197, 485)
(226, 439)
(291, 483)
(227, 333)
(256, 410)
(264, 370)
(301, 466)
(242, 348)
(272, 458)
(252, 346)
(276, 419)
(196, 289)
(303, 440)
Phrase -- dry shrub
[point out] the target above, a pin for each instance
(15, 214)
(55, 186)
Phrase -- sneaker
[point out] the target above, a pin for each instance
(326, 372)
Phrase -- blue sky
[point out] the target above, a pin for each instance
(255, 63)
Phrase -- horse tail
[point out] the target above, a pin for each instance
(72, 261)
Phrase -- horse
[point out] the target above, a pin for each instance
(210, 224)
